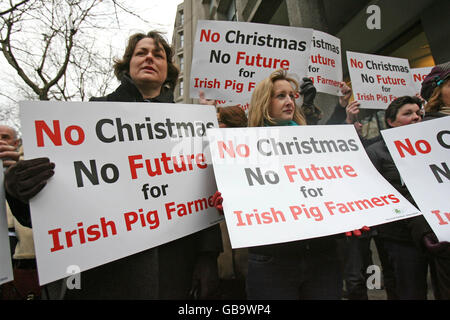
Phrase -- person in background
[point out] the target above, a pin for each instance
(357, 251)
(436, 90)
(180, 269)
(25, 284)
(232, 262)
(231, 117)
(410, 265)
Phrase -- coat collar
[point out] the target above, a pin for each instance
(128, 92)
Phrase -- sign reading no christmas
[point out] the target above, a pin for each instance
(378, 80)
(421, 153)
(128, 177)
(282, 184)
(231, 58)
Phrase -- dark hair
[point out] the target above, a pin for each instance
(122, 66)
(434, 79)
(435, 102)
(394, 106)
(233, 116)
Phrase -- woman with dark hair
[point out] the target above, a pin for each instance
(169, 271)
(409, 263)
(146, 71)
(436, 89)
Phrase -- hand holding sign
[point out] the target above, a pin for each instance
(435, 247)
(27, 177)
(378, 80)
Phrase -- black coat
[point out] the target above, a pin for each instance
(163, 272)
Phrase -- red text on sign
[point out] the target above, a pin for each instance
(422, 146)
(260, 61)
(440, 216)
(242, 150)
(267, 217)
(55, 134)
(81, 235)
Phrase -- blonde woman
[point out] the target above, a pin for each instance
(306, 269)
(273, 102)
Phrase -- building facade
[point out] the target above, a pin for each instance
(417, 30)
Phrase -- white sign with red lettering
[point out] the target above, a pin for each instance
(421, 153)
(128, 177)
(378, 80)
(325, 65)
(231, 58)
(6, 272)
(419, 75)
(282, 184)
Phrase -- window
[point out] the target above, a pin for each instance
(181, 62)
(181, 85)
(231, 14)
(181, 18)
(181, 40)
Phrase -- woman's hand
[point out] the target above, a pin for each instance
(8, 154)
(202, 100)
(217, 201)
(352, 111)
(357, 232)
(347, 94)
(26, 178)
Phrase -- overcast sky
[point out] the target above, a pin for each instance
(160, 14)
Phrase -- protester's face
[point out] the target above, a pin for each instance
(148, 65)
(282, 105)
(445, 93)
(407, 114)
(7, 135)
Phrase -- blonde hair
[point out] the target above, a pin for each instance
(258, 112)
(435, 103)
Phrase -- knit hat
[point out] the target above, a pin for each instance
(435, 78)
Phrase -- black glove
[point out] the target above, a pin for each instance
(436, 248)
(26, 178)
(308, 91)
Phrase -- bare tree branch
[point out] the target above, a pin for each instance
(14, 7)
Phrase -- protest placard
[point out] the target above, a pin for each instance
(230, 58)
(419, 75)
(6, 272)
(128, 177)
(421, 153)
(325, 65)
(282, 184)
(378, 80)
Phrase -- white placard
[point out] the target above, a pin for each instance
(421, 153)
(419, 75)
(231, 58)
(6, 272)
(325, 65)
(128, 177)
(282, 184)
(378, 80)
